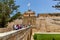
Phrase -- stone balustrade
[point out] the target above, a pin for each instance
(21, 34)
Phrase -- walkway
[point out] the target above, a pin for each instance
(21, 34)
(47, 32)
(10, 32)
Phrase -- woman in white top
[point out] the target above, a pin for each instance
(15, 27)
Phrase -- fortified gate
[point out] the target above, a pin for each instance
(29, 18)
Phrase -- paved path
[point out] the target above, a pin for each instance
(10, 32)
(47, 32)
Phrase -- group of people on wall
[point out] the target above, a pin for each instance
(19, 26)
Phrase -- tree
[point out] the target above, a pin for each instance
(57, 6)
(18, 15)
(7, 7)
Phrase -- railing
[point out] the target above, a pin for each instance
(21, 34)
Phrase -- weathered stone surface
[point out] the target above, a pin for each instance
(17, 35)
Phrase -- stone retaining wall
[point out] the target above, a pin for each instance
(21, 34)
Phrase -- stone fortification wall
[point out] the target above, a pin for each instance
(10, 25)
(48, 24)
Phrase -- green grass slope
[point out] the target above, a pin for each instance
(46, 37)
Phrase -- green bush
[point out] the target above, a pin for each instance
(35, 36)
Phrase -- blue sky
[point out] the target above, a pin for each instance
(39, 6)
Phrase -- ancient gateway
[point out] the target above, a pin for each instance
(47, 22)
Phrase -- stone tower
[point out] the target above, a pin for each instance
(29, 18)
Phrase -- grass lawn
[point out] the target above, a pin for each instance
(46, 36)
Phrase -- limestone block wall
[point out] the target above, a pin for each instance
(10, 25)
(53, 25)
(40, 24)
(17, 21)
(48, 24)
(21, 34)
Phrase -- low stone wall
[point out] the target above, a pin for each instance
(21, 34)
(2, 30)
